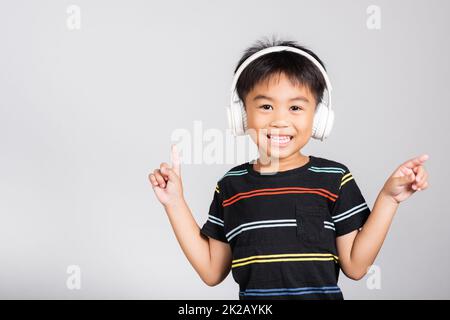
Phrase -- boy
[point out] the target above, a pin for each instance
(287, 223)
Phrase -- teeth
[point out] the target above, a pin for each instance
(282, 139)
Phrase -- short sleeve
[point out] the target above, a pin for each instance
(214, 225)
(350, 210)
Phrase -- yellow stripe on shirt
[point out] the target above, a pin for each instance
(346, 178)
(284, 257)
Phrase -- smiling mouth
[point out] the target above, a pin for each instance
(279, 137)
(280, 140)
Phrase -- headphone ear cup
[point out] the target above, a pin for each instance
(323, 122)
(329, 124)
(237, 118)
(244, 118)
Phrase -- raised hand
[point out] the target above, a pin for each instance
(166, 181)
(408, 178)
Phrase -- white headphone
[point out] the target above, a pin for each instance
(323, 117)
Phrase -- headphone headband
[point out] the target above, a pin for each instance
(234, 96)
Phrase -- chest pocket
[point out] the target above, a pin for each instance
(310, 222)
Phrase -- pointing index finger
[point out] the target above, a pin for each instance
(175, 159)
(416, 161)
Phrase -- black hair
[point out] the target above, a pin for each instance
(299, 69)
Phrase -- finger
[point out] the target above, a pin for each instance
(171, 174)
(422, 183)
(424, 186)
(164, 165)
(176, 163)
(159, 178)
(406, 171)
(417, 161)
(152, 179)
(421, 177)
(420, 173)
(425, 177)
(417, 185)
(406, 179)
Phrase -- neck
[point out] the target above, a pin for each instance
(293, 161)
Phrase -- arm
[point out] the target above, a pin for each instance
(358, 249)
(210, 258)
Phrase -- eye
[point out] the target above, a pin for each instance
(266, 107)
(297, 108)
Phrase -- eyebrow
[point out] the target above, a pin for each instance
(299, 98)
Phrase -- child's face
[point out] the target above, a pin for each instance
(277, 106)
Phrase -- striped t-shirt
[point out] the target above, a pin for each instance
(282, 227)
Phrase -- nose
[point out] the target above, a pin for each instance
(280, 119)
(280, 122)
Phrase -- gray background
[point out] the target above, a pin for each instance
(85, 115)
